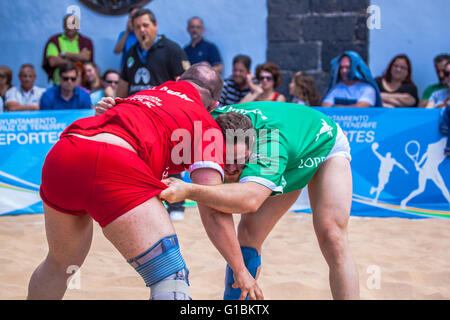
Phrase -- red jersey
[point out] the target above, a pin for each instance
(167, 125)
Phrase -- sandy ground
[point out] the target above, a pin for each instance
(396, 259)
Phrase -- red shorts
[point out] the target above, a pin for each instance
(82, 177)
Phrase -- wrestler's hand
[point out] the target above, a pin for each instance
(177, 190)
(104, 104)
(248, 286)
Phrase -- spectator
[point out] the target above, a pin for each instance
(199, 49)
(269, 78)
(67, 95)
(441, 98)
(236, 87)
(153, 60)
(27, 95)
(304, 90)
(439, 64)
(5, 81)
(351, 83)
(396, 86)
(67, 46)
(110, 81)
(127, 38)
(91, 79)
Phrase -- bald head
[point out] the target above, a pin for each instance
(206, 80)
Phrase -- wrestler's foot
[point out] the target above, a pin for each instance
(176, 215)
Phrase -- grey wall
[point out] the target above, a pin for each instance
(305, 35)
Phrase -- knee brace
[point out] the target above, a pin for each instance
(252, 261)
(163, 269)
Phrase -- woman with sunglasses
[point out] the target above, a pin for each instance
(269, 78)
(396, 86)
(441, 98)
(110, 82)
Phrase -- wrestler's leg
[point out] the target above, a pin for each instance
(330, 193)
(141, 236)
(254, 227)
(69, 239)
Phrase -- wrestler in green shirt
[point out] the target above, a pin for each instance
(292, 140)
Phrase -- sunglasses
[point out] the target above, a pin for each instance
(65, 79)
(268, 78)
(112, 82)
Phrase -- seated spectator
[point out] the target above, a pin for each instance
(127, 38)
(199, 49)
(110, 81)
(64, 47)
(67, 95)
(351, 83)
(441, 98)
(439, 64)
(304, 90)
(236, 87)
(269, 78)
(27, 95)
(91, 78)
(5, 82)
(396, 86)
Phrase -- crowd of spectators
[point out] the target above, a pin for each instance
(149, 59)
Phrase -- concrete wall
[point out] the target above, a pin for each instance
(235, 26)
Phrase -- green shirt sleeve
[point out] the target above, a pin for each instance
(52, 50)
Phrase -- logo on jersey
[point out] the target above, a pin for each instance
(142, 76)
(325, 129)
(130, 62)
(311, 162)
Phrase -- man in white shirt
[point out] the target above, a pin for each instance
(441, 98)
(348, 92)
(27, 96)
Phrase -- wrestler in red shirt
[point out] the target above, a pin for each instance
(108, 168)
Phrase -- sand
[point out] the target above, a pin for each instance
(396, 259)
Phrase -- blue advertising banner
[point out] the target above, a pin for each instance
(398, 163)
(25, 139)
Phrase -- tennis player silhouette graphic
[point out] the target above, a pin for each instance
(428, 168)
(386, 167)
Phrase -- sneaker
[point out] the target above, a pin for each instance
(176, 215)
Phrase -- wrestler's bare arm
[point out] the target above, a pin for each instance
(228, 198)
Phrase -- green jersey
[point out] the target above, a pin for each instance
(292, 140)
